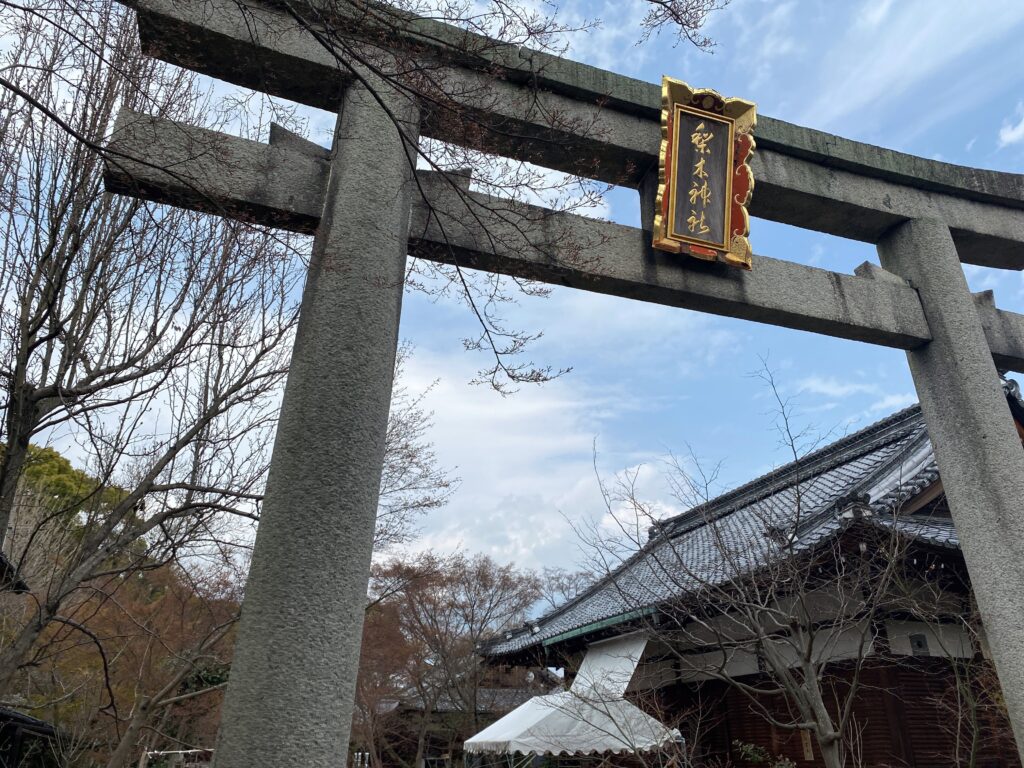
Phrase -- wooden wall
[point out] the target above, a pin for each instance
(905, 715)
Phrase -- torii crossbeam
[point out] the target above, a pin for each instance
(289, 699)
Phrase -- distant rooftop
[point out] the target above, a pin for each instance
(875, 471)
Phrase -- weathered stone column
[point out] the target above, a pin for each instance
(289, 700)
(977, 447)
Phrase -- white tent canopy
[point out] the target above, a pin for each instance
(591, 717)
(567, 723)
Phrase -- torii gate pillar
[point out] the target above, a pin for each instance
(978, 450)
(297, 652)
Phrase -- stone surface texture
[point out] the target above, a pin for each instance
(283, 183)
(578, 119)
(289, 701)
(978, 450)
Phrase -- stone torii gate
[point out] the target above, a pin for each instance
(293, 677)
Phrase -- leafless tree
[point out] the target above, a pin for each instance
(149, 706)
(685, 18)
(436, 613)
(785, 611)
(153, 341)
(412, 482)
(560, 585)
(415, 47)
(150, 342)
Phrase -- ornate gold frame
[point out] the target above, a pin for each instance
(743, 115)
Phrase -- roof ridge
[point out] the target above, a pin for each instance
(873, 478)
(858, 492)
(828, 455)
(905, 429)
(812, 464)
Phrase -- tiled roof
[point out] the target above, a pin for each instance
(33, 724)
(494, 701)
(878, 468)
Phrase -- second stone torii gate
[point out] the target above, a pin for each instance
(289, 700)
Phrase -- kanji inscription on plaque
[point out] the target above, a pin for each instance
(704, 181)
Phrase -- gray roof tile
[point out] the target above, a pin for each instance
(884, 464)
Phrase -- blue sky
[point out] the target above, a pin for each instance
(935, 78)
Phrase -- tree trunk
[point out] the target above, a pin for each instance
(421, 743)
(373, 748)
(831, 752)
(12, 655)
(130, 740)
(13, 464)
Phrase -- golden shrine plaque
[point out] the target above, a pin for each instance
(704, 181)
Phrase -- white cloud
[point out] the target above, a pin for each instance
(524, 460)
(817, 254)
(870, 67)
(874, 12)
(1012, 133)
(891, 403)
(623, 331)
(832, 387)
(840, 389)
(527, 461)
(611, 43)
(766, 39)
(984, 278)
